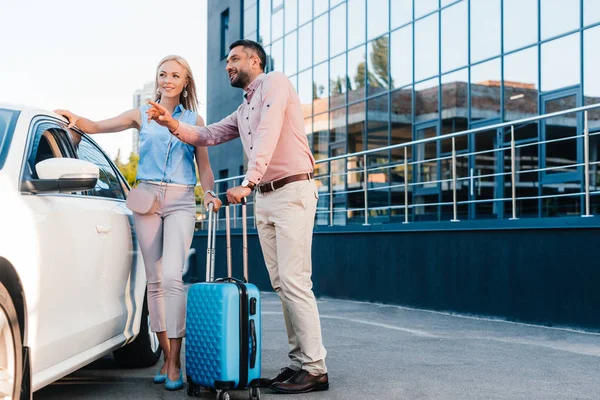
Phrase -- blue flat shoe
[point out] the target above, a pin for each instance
(174, 385)
(160, 378)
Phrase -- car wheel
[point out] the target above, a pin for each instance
(11, 348)
(145, 350)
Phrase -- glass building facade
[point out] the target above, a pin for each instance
(373, 73)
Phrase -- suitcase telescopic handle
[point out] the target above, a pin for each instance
(244, 240)
(210, 244)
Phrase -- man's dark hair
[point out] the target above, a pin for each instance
(250, 44)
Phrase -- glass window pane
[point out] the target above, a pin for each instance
(277, 56)
(321, 6)
(423, 7)
(560, 63)
(401, 57)
(401, 127)
(591, 89)
(356, 127)
(562, 154)
(277, 3)
(426, 100)
(305, 91)
(558, 16)
(356, 74)
(305, 12)
(485, 29)
(521, 84)
(321, 88)
(250, 20)
(337, 125)
(446, 2)
(378, 77)
(378, 17)
(277, 22)
(269, 61)
(485, 90)
(264, 24)
(356, 20)
(291, 15)
(321, 124)
(591, 12)
(337, 81)
(321, 39)
(291, 54)
(333, 3)
(454, 95)
(455, 38)
(338, 34)
(377, 122)
(426, 47)
(305, 47)
(402, 11)
(320, 143)
(520, 23)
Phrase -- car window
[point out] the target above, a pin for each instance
(108, 184)
(8, 119)
(48, 142)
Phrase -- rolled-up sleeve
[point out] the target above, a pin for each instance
(275, 98)
(211, 135)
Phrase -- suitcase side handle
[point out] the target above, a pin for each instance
(254, 344)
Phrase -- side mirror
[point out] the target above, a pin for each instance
(62, 175)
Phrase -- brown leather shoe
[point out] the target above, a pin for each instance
(302, 382)
(285, 374)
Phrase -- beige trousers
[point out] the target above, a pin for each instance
(165, 239)
(285, 220)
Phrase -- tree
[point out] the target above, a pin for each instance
(379, 76)
(128, 170)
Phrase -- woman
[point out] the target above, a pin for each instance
(166, 168)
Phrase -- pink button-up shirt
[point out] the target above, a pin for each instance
(270, 124)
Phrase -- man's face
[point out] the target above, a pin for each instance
(239, 66)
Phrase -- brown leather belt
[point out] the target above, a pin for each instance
(271, 186)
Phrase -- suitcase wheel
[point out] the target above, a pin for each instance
(193, 389)
(254, 393)
(223, 395)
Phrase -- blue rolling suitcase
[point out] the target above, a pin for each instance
(223, 334)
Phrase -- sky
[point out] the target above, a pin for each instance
(91, 56)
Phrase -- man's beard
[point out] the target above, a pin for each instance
(242, 80)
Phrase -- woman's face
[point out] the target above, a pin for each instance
(171, 79)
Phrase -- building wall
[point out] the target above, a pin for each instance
(514, 271)
(222, 99)
(141, 97)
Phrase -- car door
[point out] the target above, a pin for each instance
(68, 245)
(121, 277)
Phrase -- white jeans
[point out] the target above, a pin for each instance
(165, 238)
(285, 220)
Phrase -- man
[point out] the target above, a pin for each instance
(270, 124)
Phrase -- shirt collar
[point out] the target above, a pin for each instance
(254, 85)
(179, 108)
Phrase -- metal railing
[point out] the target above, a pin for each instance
(449, 177)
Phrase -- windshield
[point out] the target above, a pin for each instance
(8, 120)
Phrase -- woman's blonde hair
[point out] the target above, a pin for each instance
(191, 101)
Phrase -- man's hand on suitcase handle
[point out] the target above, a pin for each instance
(236, 194)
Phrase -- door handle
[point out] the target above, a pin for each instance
(102, 228)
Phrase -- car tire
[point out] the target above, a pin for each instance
(11, 345)
(144, 351)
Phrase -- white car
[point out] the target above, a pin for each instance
(72, 280)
